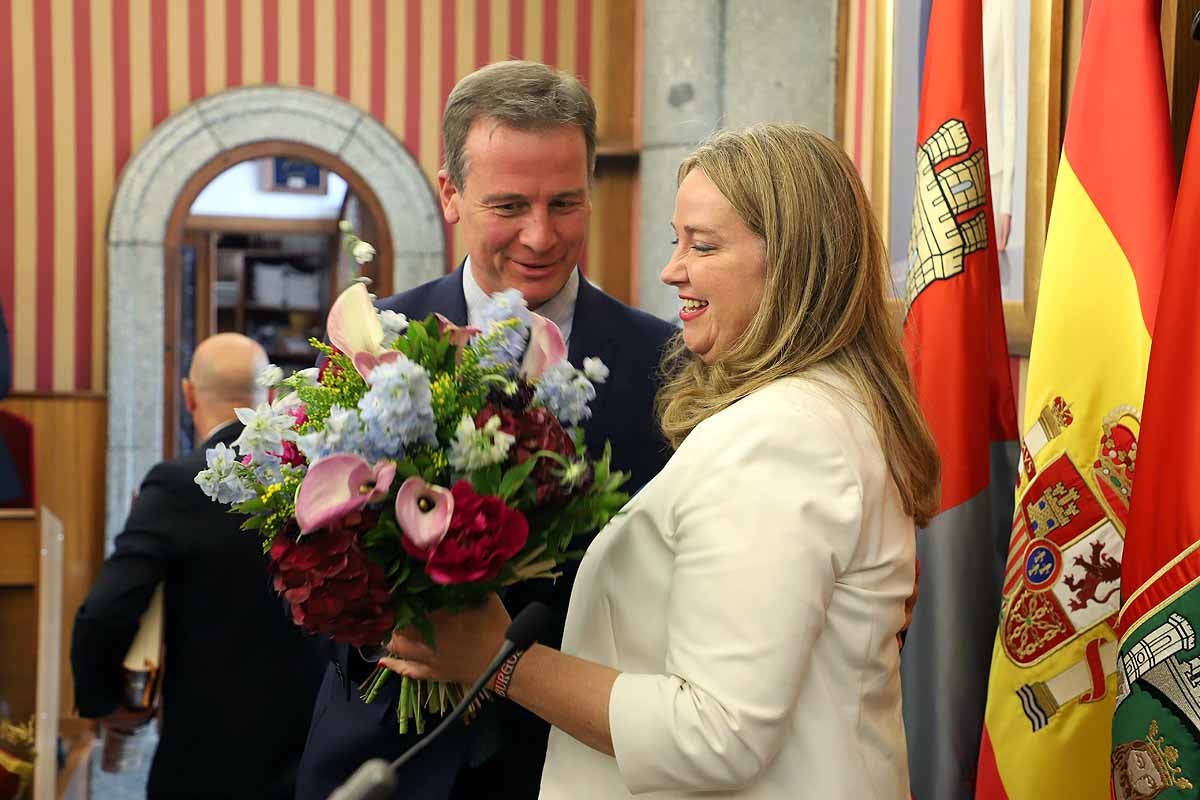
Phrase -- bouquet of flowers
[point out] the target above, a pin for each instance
(421, 467)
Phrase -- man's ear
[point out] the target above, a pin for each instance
(189, 395)
(449, 196)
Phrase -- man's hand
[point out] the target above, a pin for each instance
(909, 604)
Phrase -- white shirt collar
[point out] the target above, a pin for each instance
(559, 309)
(218, 429)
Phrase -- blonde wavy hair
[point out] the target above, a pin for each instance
(825, 299)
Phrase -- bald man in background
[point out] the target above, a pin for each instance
(239, 678)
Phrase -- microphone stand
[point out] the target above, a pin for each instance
(376, 778)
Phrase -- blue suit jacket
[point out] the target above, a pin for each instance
(345, 731)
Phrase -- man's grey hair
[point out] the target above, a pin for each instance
(524, 95)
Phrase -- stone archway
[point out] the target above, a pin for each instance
(149, 188)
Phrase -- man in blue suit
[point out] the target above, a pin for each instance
(520, 143)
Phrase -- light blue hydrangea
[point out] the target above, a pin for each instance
(343, 433)
(266, 429)
(566, 392)
(397, 410)
(268, 470)
(475, 448)
(504, 322)
(220, 481)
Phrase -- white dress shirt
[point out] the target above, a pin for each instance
(559, 309)
(750, 597)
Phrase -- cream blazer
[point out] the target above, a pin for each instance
(750, 596)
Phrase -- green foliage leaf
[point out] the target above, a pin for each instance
(486, 481)
(254, 505)
(515, 477)
(254, 523)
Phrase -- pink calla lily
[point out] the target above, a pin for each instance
(339, 485)
(353, 327)
(423, 513)
(546, 347)
(365, 362)
(459, 334)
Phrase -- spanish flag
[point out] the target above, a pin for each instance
(1156, 731)
(957, 352)
(1048, 725)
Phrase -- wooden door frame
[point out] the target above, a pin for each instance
(173, 241)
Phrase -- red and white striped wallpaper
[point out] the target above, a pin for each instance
(84, 82)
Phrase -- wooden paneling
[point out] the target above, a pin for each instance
(18, 643)
(616, 75)
(615, 83)
(69, 437)
(612, 260)
(18, 543)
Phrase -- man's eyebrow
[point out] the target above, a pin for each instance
(517, 197)
(506, 197)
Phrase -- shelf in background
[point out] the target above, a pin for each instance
(255, 307)
(252, 225)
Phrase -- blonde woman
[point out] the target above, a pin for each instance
(734, 631)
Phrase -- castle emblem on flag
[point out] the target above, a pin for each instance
(1054, 509)
(940, 241)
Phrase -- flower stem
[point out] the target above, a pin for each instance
(374, 682)
(402, 706)
(417, 716)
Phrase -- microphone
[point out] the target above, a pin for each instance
(376, 779)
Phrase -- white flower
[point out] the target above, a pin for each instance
(307, 377)
(393, 324)
(220, 481)
(345, 227)
(474, 448)
(362, 252)
(270, 376)
(284, 402)
(595, 370)
(266, 430)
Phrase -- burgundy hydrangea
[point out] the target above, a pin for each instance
(535, 429)
(331, 586)
(484, 534)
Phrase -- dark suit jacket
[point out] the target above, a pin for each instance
(11, 484)
(239, 677)
(345, 731)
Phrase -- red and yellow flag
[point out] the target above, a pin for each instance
(956, 348)
(1156, 730)
(1053, 677)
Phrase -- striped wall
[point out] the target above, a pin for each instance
(83, 82)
